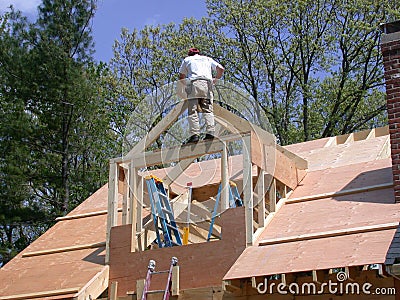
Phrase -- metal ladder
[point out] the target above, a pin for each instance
(163, 217)
(151, 271)
(234, 201)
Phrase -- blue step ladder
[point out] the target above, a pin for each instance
(234, 201)
(163, 217)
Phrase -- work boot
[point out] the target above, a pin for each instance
(193, 139)
(208, 137)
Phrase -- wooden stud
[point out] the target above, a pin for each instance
(175, 281)
(224, 203)
(114, 290)
(139, 288)
(248, 188)
(125, 199)
(261, 198)
(134, 179)
(272, 196)
(139, 207)
(112, 205)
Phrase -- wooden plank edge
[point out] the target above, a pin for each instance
(85, 215)
(41, 294)
(341, 193)
(64, 249)
(330, 233)
(96, 286)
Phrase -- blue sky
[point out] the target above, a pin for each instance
(112, 15)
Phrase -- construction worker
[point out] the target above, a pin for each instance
(198, 69)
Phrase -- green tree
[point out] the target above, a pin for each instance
(56, 138)
(292, 56)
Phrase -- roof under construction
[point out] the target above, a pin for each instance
(342, 208)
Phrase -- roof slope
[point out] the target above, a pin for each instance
(343, 208)
(63, 261)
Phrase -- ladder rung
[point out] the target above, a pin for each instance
(155, 292)
(172, 227)
(160, 272)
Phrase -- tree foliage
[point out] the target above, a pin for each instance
(55, 138)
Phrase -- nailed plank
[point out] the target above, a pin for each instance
(64, 249)
(84, 215)
(341, 193)
(330, 233)
(41, 294)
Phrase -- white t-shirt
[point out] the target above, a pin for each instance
(198, 66)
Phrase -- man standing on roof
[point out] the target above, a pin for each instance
(198, 69)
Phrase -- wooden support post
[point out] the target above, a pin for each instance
(112, 214)
(139, 288)
(139, 192)
(248, 188)
(261, 198)
(114, 290)
(272, 195)
(224, 203)
(125, 199)
(133, 205)
(175, 281)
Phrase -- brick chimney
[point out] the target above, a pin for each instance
(390, 46)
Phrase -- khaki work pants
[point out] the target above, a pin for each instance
(200, 99)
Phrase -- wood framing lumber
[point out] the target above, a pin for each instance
(95, 287)
(134, 178)
(125, 198)
(261, 198)
(175, 281)
(140, 288)
(64, 249)
(341, 193)
(85, 215)
(272, 195)
(139, 208)
(248, 188)
(158, 129)
(330, 233)
(43, 294)
(165, 156)
(224, 203)
(114, 290)
(112, 204)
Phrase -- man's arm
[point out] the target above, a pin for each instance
(219, 72)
